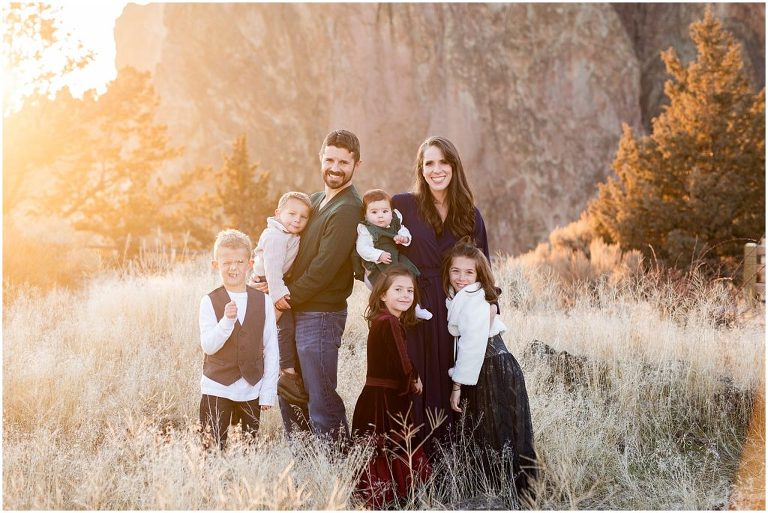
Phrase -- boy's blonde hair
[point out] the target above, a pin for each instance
(294, 195)
(231, 238)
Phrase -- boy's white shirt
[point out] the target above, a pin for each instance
(469, 321)
(214, 333)
(274, 255)
(364, 244)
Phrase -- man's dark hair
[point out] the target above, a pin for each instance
(342, 139)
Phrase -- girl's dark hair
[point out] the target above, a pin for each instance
(466, 248)
(461, 203)
(376, 305)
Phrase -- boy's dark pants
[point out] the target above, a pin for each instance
(218, 413)
(286, 340)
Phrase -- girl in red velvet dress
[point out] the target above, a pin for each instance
(385, 399)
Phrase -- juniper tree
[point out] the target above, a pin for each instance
(38, 55)
(693, 188)
(240, 197)
(111, 186)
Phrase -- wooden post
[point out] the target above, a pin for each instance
(750, 269)
(760, 273)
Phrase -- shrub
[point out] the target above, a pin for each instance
(44, 253)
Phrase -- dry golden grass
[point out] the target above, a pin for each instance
(101, 392)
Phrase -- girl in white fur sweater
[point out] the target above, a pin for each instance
(487, 380)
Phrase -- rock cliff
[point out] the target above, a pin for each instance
(658, 26)
(533, 95)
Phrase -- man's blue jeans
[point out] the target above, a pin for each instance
(318, 339)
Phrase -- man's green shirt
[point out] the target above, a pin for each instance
(321, 277)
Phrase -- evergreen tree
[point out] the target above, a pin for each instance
(236, 195)
(110, 186)
(37, 112)
(37, 136)
(694, 188)
(242, 199)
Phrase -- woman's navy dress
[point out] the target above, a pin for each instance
(430, 346)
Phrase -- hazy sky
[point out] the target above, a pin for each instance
(93, 23)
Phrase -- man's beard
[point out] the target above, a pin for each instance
(345, 180)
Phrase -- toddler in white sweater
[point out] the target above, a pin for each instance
(273, 257)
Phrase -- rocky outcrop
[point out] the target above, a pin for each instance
(653, 27)
(532, 95)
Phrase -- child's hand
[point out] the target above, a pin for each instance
(400, 239)
(417, 387)
(265, 407)
(230, 311)
(282, 303)
(456, 399)
(261, 286)
(385, 258)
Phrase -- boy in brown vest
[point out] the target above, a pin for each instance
(239, 338)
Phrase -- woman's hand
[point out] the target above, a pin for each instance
(456, 398)
(265, 407)
(385, 258)
(417, 387)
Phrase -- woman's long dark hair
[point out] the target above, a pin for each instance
(376, 305)
(461, 203)
(466, 248)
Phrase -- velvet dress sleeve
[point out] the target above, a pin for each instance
(397, 335)
(481, 240)
(481, 237)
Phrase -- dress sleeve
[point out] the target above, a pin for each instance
(481, 237)
(396, 333)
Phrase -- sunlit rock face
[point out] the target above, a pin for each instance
(533, 95)
(653, 27)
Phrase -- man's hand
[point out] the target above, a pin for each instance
(230, 310)
(385, 258)
(282, 303)
(401, 239)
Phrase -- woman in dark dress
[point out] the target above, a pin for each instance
(440, 211)
(382, 411)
